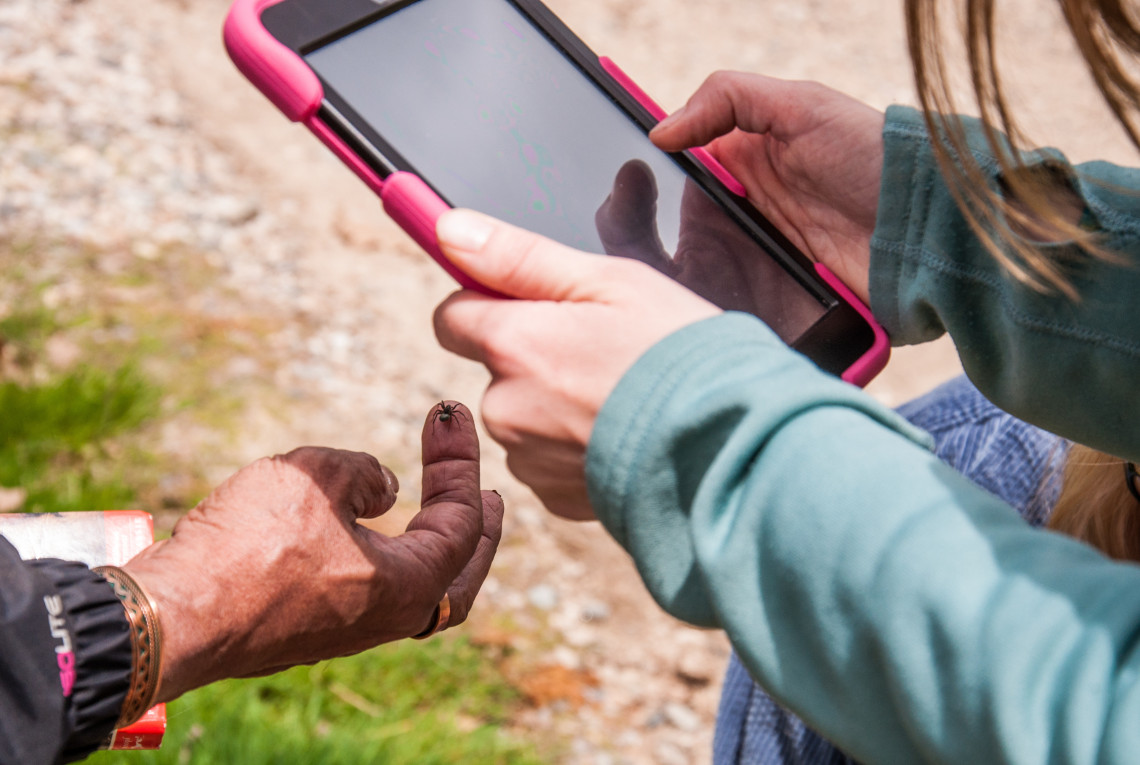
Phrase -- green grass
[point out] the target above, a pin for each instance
(28, 327)
(56, 433)
(56, 428)
(431, 703)
(52, 443)
(91, 380)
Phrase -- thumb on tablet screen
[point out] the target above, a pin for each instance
(514, 261)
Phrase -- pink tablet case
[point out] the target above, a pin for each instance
(293, 87)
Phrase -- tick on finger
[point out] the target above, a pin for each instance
(445, 412)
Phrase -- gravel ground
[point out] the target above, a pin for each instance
(125, 127)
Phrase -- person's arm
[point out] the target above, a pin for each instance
(65, 659)
(867, 585)
(1069, 366)
(865, 197)
(270, 570)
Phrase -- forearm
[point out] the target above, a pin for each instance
(865, 584)
(1068, 366)
(65, 659)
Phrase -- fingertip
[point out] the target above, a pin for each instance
(449, 433)
(677, 137)
(664, 133)
(511, 261)
(458, 321)
(671, 119)
(390, 479)
(465, 239)
(378, 497)
(493, 503)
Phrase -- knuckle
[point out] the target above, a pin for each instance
(622, 269)
(625, 275)
(446, 320)
(302, 454)
(521, 467)
(523, 250)
(504, 343)
(723, 79)
(718, 77)
(439, 319)
(366, 463)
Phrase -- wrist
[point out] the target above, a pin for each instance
(190, 648)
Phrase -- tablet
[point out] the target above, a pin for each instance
(495, 105)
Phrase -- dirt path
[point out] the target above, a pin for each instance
(302, 240)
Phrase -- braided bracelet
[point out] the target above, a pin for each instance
(146, 643)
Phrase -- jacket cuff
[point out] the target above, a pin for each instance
(910, 193)
(92, 619)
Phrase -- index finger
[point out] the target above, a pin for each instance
(725, 101)
(450, 523)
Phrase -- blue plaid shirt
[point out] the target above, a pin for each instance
(1013, 460)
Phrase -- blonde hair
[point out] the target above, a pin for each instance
(1035, 206)
(1096, 506)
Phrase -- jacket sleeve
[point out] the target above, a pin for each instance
(1068, 366)
(65, 659)
(866, 585)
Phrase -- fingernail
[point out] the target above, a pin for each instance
(390, 479)
(464, 230)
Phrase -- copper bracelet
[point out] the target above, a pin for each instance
(146, 643)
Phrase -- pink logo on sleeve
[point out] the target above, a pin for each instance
(64, 655)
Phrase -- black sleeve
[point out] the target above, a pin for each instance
(65, 659)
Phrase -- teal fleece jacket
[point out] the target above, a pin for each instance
(905, 614)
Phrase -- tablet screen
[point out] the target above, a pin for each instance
(480, 103)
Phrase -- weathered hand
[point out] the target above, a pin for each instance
(272, 569)
(557, 351)
(810, 158)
